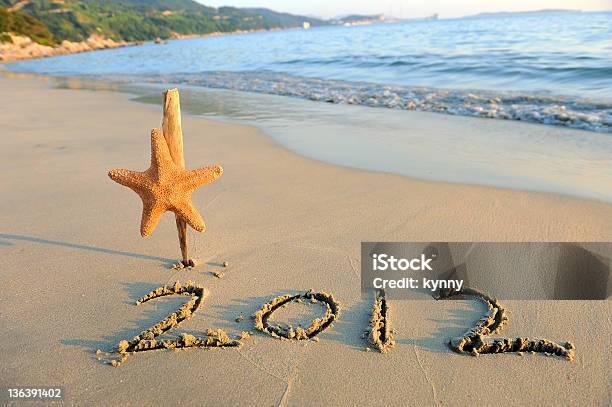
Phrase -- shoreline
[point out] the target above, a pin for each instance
(74, 264)
(444, 126)
(22, 48)
(404, 147)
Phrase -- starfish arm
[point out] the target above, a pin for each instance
(151, 213)
(190, 215)
(194, 179)
(131, 179)
(161, 160)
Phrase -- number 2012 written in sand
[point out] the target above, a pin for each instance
(380, 335)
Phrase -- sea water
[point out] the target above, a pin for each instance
(552, 68)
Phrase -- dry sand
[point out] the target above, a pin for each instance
(73, 264)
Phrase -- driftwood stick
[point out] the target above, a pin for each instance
(173, 134)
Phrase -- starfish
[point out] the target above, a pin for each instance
(166, 186)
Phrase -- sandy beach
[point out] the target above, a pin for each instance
(73, 265)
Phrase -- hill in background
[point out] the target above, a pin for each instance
(50, 22)
(23, 24)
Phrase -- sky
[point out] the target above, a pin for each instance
(409, 9)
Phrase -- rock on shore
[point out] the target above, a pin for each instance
(23, 47)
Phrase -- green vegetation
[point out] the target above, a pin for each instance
(23, 24)
(49, 21)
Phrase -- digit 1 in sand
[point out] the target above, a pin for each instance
(173, 134)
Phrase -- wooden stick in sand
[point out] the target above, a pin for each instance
(173, 134)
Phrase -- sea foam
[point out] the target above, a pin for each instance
(551, 110)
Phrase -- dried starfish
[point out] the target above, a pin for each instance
(166, 186)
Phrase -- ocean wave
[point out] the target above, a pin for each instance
(550, 110)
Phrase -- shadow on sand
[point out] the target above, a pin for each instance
(165, 262)
(150, 315)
